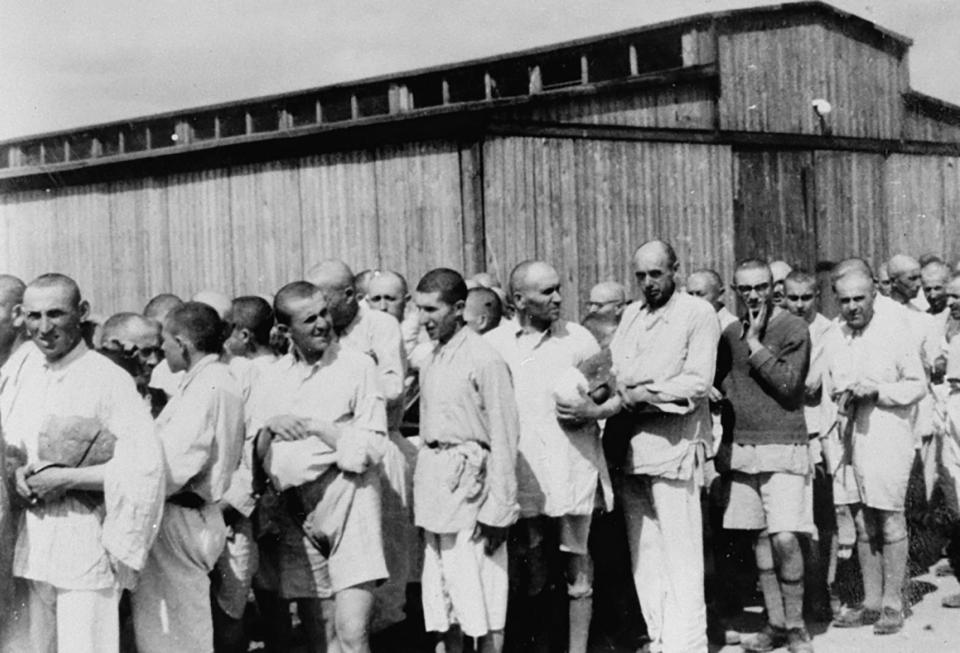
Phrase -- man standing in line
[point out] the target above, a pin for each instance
(762, 365)
(201, 432)
(86, 527)
(607, 298)
(12, 337)
(134, 341)
(483, 310)
(875, 376)
(561, 473)
(664, 355)
(469, 427)
(707, 285)
(248, 354)
(801, 297)
(933, 280)
(319, 416)
(377, 334)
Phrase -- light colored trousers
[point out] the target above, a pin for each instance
(665, 533)
(171, 604)
(70, 621)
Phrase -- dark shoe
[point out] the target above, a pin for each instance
(857, 617)
(799, 641)
(890, 622)
(768, 639)
(952, 601)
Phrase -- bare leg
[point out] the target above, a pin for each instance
(353, 607)
(789, 562)
(769, 584)
(492, 642)
(580, 594)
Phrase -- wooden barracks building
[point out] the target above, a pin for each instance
(702, 131)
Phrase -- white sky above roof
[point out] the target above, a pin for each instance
(68, 64)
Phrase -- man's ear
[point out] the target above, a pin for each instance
(18, 316)
(84, 310)
(282, 329)
(246, 335)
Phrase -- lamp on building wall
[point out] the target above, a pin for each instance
(822, 108)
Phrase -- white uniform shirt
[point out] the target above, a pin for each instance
(60, 541)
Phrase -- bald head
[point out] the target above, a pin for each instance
(655, 266)
(607, 298)
(136, 338)
(535, 288)
(215, 300)
(335, 279)
(484, 280)
(855, 295)
(934, 277)
(483, 310)
(707, 285)
(847, 266)
(158, 307)
(904, 277)
(387, 292)
(330, 274)
(778, 271)
(11, 326)
(11, 290)
(883, 279)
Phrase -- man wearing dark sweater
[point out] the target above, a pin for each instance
(762, 367)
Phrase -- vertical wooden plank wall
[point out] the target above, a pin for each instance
(774, 206)
(850, 206)
(770, 73)
(586, 205)
(915, 200)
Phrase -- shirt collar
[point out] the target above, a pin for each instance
(555, 329)
(452, 345)
(661, 312)
(294, 360)
(199, 366)
(67, 358)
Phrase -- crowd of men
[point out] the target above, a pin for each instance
(310, 457)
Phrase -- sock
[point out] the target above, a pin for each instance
(772, 598)
(871, 568)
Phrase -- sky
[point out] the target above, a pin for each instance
(68, 64)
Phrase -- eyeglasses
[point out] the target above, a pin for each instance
(800, 298)
(142, 353)
(760, 287)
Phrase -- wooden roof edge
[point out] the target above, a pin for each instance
(932, 106)
(813, 7)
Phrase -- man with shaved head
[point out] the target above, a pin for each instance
(377, 334)
(607, 298)
(248, 354)
(317, 415)
(779, 270)
(768, 477)
(201, 432)
(876, 377)
(84, 524)
(483, 310)
(561, 472)
(883, 280)
(707, 285)
(156, 309)
(664, 356)
(933, 279)
(12, 337)
(387, 292)
(134, 342)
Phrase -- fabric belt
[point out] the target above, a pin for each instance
(453, 445)
(187, 500)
